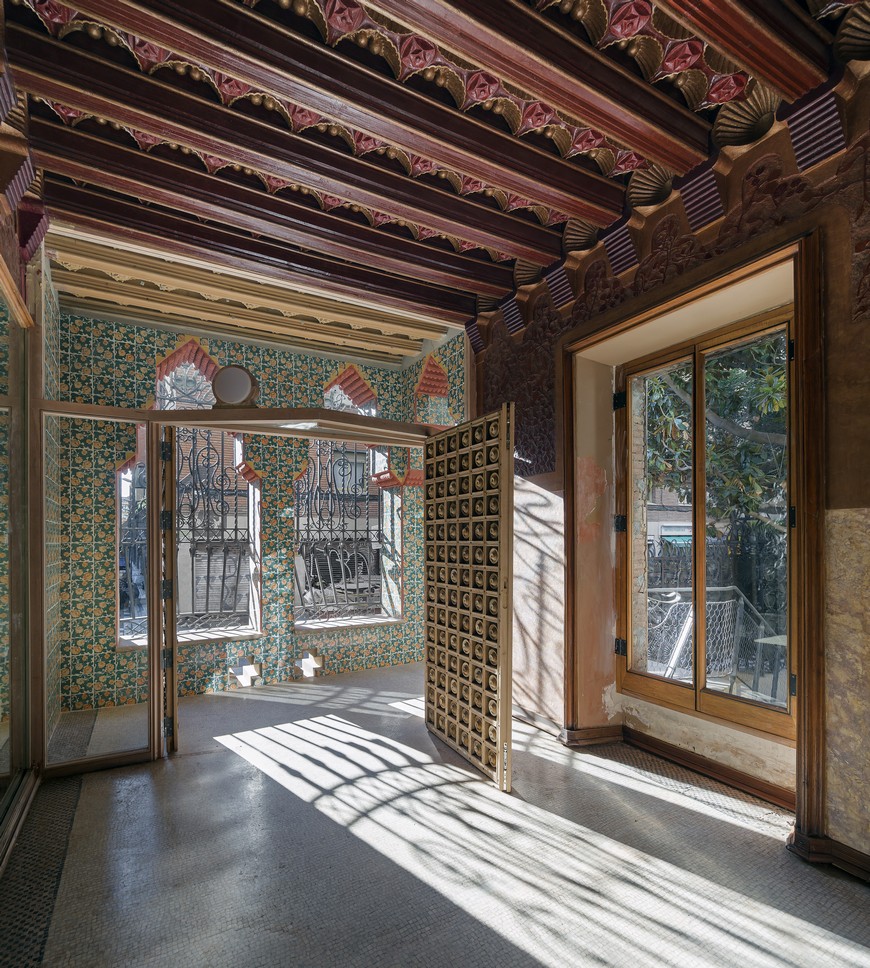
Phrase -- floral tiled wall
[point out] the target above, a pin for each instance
(451, 356)
(51, 351)
(56, 538)
(84, 668)
(111, 363)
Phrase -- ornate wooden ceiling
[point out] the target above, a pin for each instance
(138, 283)
(410, 159)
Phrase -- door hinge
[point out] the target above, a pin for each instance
(791, 350)
(792, 517)
(620, 399)
(168, 726)
(792, 684)
(166, 658)
(620, 523)
(620, 647)
(165, 450)
(167, 589)
(165, 520)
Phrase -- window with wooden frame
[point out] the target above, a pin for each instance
(217, 520)
(346, 526)
(706, 485)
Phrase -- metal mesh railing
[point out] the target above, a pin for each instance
(733, 628)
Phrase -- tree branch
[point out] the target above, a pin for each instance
(722, 423)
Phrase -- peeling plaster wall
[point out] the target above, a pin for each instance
(741, 750)
(538, 604)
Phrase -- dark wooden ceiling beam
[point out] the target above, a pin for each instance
(767, 38)
(122, 219)
(57, 71)
(231, 38)
(86, 158)
(520, 46)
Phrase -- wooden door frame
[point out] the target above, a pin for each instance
(808, 239)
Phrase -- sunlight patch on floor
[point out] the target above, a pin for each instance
(562, 889)
(765, 819)
(415, 707)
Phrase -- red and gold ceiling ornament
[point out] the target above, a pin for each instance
(662, 48)
(60, 21)
(410, 55)
(328, 203)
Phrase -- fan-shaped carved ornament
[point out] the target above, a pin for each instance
(651, 186)
(410, 55)
(660, 46)
(743, 122)
(853, 37)
(578, 236)
(61, 20)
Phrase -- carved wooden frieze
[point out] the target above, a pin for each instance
(522, 367)
(525, 372)
(410, 54)
(274, 185)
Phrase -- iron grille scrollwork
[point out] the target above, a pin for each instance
(215, 533)
(339, 530)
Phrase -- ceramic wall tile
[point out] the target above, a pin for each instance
(98, 361)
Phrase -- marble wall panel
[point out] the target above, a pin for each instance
(847, 673)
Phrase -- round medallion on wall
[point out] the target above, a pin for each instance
(234, 386)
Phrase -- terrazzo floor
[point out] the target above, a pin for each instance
(93, 732)
(320, 824)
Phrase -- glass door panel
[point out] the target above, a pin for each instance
(746, 520)
(95, 588)
(660, 532)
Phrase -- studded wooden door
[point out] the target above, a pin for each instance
(469, 549)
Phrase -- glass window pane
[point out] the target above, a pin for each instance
(660, 504)
(340, 535)
(97, 689)
(746, 398)
(217, 510)
(132, 559)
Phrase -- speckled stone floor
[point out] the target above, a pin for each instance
(320, 824)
